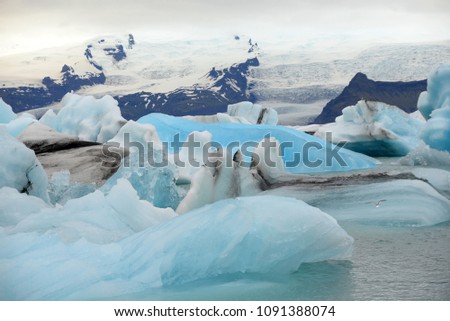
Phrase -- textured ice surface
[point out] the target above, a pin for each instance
(243, 113)
(424, 155)
(434, 104)
(438, 91)
(6, 113)
(49, 119)
(19, 124)
(98, 218)
(299, 157)
(20, 169)
(154, 183)
(43, 259)
(393, 203)
(16, 206)
(211, 184)
(438, 178)
(254, 113)
(61, 189)
(375, 129)
(87, 117)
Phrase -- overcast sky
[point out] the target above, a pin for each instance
(29, 24)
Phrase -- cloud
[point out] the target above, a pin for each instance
(76, 19)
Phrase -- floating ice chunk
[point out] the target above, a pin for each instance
(374, 129)
(146, 167)
(20, 169)
(438, 178)
(212, 183)
(96, 217)
(436, 133)
(244, 235)
(393, 203)
(438, 91)
(268, 161)
(302, 153)
(133, 132)
(243, 113)
(16, 206)
(253, 113)
(217, 118)
(61, 189)
(49, 119)
(247, 234)
(424, 155)
(6, 113)
(19, 124)
(87, 117)
(434, 104)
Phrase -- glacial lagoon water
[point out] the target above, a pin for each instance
(392, 259)
(388, 263)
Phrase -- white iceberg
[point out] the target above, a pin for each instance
(89, 118)
(20, 169)
(404, 202)
(147, 167)
(6, 113)
(253, 113)
(49, 119)
(16, 126)
(97, 217)
(375, 129)
(244, 113)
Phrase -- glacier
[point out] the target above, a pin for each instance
(434, 104)
(375, 129)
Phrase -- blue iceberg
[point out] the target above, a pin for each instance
(434, 104)
(301, 152)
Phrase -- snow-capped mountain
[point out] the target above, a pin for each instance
(204, 76)
(179, 78)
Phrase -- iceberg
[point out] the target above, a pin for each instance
(253, 113)
(434, 104)
(246, 235)
(438, 91)
(153, 183)
(6, 113)
(375, 129)
(244, 112)
(211, 184)
(17, 206)
(301, 152)
(49, 119)
(425, 155)
(16, 126)
(88, 118)
(20, 169)
(243, 235)
(97, 217)
(402, 202)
